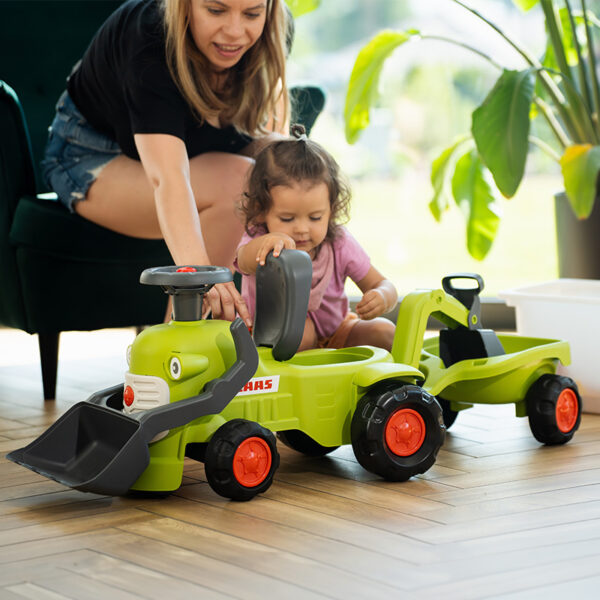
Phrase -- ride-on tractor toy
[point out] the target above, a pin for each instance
(207, 390)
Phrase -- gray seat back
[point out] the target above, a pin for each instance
(282, 291)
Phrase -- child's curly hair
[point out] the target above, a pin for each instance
(293, 160)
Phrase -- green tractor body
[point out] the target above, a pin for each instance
(314, 392)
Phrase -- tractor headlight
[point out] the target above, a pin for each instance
(175, 368)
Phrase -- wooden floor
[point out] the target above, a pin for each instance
(498, 516)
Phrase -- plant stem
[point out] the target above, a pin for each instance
(576, 102)
(531, 60)
(545, 147)
(561, 136)
(581, 67)
(556, 38)
(578, 111)
(594, 74)
(570, 123)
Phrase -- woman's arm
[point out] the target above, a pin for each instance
(379, 295)
(255, 252)
(167, 168)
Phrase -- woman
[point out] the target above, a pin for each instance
(154, 135)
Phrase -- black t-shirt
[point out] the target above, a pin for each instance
(122, 86)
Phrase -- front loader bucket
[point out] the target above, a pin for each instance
(90, 448)
(96, 448)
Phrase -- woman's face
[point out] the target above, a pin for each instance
(225, 29)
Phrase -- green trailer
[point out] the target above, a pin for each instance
(467, 365)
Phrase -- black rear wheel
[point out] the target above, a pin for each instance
(397, 431)
(300, 442)
(554, 409)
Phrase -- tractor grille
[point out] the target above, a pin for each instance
(148, 392)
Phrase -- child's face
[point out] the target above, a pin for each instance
(300, 210)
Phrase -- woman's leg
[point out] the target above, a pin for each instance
(375, 332)
(121, 199)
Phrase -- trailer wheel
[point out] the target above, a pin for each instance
(554, 409)
(241, 459)
(397, 431)
(448, 414)
(301, 442)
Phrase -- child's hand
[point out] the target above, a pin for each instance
(371, 305)
(276, 242)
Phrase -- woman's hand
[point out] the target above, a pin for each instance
(273, 241)
(224, 301)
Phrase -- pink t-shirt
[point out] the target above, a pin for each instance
(350, 260)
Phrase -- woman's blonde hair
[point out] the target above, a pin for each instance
(253, 87)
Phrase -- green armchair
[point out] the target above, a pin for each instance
(59, 271)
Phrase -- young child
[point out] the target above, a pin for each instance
(297, 198)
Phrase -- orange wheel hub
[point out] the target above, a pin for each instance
(405, 432)
(567, 410)
(252, 462)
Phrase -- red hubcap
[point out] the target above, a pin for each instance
(252, 462)
(405, 432)
(567, 410)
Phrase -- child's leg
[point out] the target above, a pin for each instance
(309, 339)
(376, 332)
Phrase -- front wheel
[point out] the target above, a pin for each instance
(554, 409)
(397, 431)
(241, 459)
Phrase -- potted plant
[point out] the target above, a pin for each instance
(562, 88)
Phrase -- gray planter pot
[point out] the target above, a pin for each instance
(577, 241)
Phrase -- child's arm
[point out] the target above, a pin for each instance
(255, 251)
(379, 295)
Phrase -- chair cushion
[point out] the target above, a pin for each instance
(47, 225)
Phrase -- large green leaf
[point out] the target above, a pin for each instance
(474, 194)
(580, 167)
(364, 80)
(501, 128)
(301, 7)
(440, 179)
(526, 4)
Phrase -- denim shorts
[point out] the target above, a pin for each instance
(75, 153)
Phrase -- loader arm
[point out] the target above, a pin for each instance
(411, 324)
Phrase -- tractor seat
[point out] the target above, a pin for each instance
(465, 343)
(282, 291)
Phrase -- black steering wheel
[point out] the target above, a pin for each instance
(187, 277)
(186, 285)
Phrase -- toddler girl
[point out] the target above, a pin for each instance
(296, 199)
